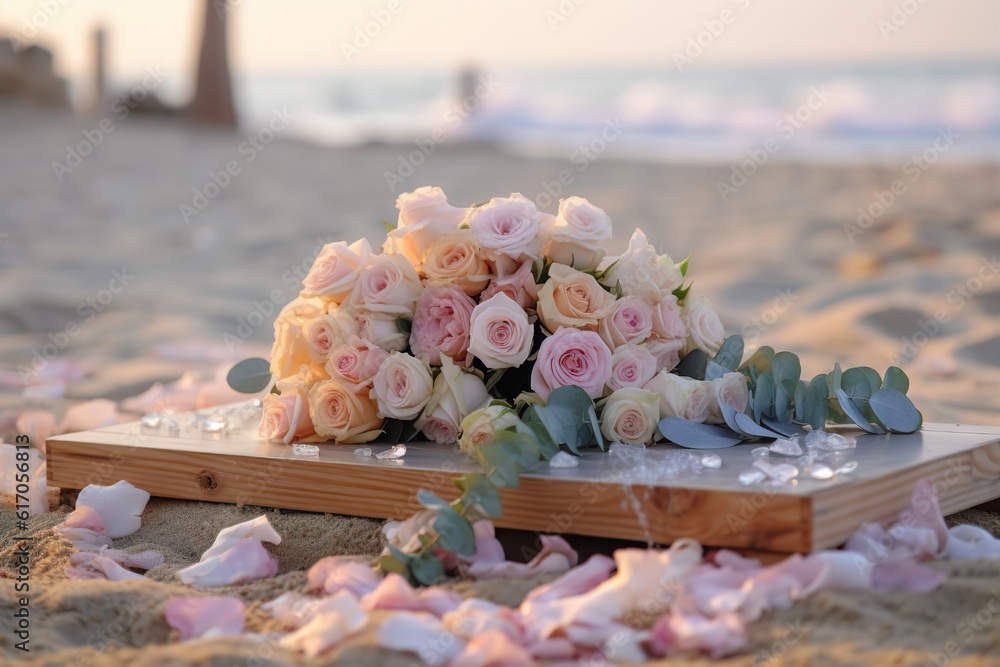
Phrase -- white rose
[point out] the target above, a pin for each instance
(499, 332)
(290, 350)
(681, 396)
(630, 415)
(402, 386)
(730, 389)
(455, 395)
(705, 331)
(383, 331)
(631, 366)
(575, 236)
(507, 230)
(388, 285)
(666, 352)
(424, 217)
(641, 271)
(336, 270)
(482, 426)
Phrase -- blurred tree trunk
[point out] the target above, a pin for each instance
(213, 97)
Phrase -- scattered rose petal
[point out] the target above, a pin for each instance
(85, 517)
(88, 415)
(121, 505)
(332, 574)
(489, 561)
(105, 567)
(421, 634)
(244, 561)
(906, 575)
(970, 543)
(493, 649)
(678, 632)
(581, 579)
(394, 592)
(84, 539)
(259, 528)
(340, 617)
(204, 617)
(38, 425)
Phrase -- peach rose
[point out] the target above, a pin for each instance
(519, 286)
(389, 285)
(630, 321)
(325, 333)
(356, 362)
(681, 396)
(441, 324)
(705, 330)
(631, 366)
(570, 298)
(336, 269)
(571, 357)
(507, 231)
(455, 258)
(340, 413)
(499, 332)
(290, 350)
(455, 395)
(424, 217)
(402, 386)
(630, 415)
(286, 417)
(577, 233)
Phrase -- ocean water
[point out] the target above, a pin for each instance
(875, 113)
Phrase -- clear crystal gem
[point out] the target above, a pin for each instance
(847, 468)
(751, 477)
(711, 461)
(564, 460)
(363, 451)
(820, 471)
(623, 451)
(787, 447)
(305, 450)
(828, 441)
(759, 452)
(393, 453)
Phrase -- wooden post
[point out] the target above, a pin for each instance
(213, 97)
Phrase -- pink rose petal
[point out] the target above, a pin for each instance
(333, 573)
(85, 517)
(394, 592)
(244, 561)
(202, 617)
(421, 634)
(340, 617)
(493, 649)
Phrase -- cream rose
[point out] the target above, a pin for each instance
(499, 333)
(481, 426)
(340, 413)
(641, 271)
(455, 395)
(519, 286)
(576, 235)
(389, 285)
(402, 386)
(631, 366)
(290, 350)
(630, 415)
(570, 298)
(357, 362)
(668, 322)
(286, 417)
(630, 321)
(666, 352)
(424, 217)
(456, 258)
(730, 389)
(681, 397)
(705, 331)
(507, 230)
(325, 333)
(336, 270)
(383, 330)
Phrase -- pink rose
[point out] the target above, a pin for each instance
(630, 321)
(631, 366)
(327, 332)
(499, 332)
(441, 324)
(667, 320)
(666, 352)
(286, 417)
(519, 286)
(571, 357)
(424, 217)
(402, 386)
(456, 394)
(336, 269)
(389, 285)
(507, 231)
(357, 362)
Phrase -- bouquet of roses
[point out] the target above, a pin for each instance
(469, 313)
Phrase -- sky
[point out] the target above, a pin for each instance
(315, 35)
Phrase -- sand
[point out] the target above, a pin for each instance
(775, 259)
(121, 623)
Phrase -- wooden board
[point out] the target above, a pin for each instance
(597, 498)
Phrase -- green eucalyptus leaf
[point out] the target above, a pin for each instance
(760, 360)
(522, 450)
(693, 365)
(426, 568)
(817, 404)
(785, 366)
(479, 495)
(784, 394)
(799, 396)
(389, 563)
(763, 399)
(530, 423)
(750, 427)
(895, 411)
(787, 429)
(833, 380)
(896, 379)
(697, 436)
(454, 531)
(874, 379)
(731, 353)
(502, 470)
(714, 371)
(855, 383)
(852, 410)
(729, 415)
(250, 375)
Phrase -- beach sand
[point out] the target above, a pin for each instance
(775, 260)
